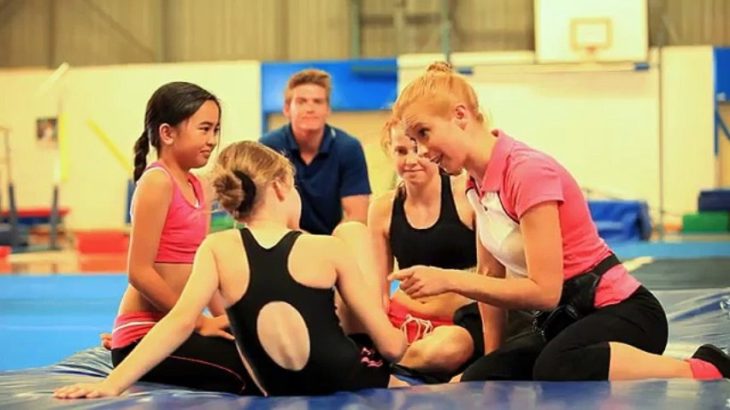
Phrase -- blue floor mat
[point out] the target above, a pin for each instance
(45, 319)
(35, 314)
(62, 311)
(33, 390)
(692, 273)
(670, 250)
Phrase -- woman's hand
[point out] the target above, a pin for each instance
(422, 281)
(106, 340)
(214, 327)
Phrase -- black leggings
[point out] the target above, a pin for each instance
(580, 351)
(204, 363)
(519, 322)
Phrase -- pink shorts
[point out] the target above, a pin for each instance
(132, 327)
(414, 325)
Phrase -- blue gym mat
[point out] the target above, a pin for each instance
(45, 319)
(671, 250)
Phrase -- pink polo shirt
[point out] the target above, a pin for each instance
(518, 178)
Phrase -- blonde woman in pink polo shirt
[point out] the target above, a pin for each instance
(539, 250)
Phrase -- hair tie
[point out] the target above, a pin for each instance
(249, 191)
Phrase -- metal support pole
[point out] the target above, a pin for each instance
(283, 35)
(12, 209)
(661, 229)
(54, 221)
(665, 32)
(51, 27)
(355, 29)
(163, 34)
(445, 21)
(399, 26)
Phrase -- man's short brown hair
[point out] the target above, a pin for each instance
(309, 76)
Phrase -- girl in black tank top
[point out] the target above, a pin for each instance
(448, 243)
(436, 346)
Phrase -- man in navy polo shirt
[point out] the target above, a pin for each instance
(331, 173)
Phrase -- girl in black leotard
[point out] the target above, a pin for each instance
(278, 286)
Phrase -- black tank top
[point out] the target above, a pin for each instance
(447, 244)
(333, 357)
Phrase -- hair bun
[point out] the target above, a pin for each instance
(249, 191)
(440, 67)
(228, 190)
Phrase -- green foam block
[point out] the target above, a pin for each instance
(704, 222)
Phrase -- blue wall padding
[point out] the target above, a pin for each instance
(722, 73)
(621, 220)
(714, 200)
(357, 85)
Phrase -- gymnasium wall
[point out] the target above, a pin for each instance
(32, 166)
(100, 32)
(723, 142)
(115, 98)
(603, 125)
(688, 101)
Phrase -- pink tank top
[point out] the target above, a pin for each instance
(186, 224)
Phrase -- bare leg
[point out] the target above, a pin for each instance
(630, 363)
(357, 238)
(396, 382)
(443, 351)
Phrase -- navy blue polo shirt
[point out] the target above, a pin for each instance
(338, 170)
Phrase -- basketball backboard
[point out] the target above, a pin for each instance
(584, 31)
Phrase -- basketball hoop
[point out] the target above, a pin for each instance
(589, 53)
(588, 35)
